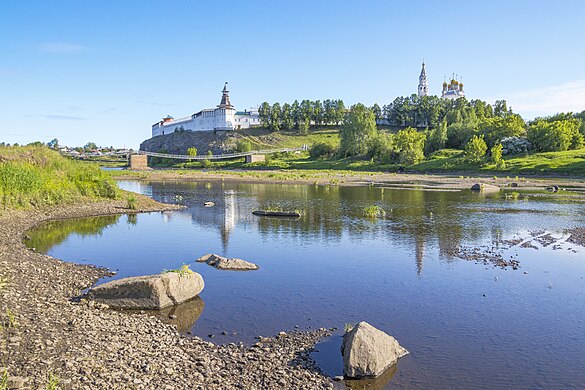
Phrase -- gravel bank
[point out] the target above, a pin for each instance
(87, 346)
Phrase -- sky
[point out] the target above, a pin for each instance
(105, 71)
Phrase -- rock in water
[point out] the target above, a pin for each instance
(150, 292)
(368, 352)
(221, 262)
(483, 187)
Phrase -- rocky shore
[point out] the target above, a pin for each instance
(48, 335)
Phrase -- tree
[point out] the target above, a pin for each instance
(264, 114)
(340, 111)
(90, 146)
(475, 149)
(410, 145)
(192, 151)
(243, 146)
(318, 113)
(497, 128)
(306, 113)
(497, 159)
(53, 144)
(275, 113)
(357, 131)
(286, 118)
(296, 113)
(437, 138)
(377, 111)
(304, 126)
(555, 136)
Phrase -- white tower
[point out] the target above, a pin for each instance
(423, 85)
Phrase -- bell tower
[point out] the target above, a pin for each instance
(423, 85)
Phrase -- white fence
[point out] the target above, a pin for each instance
(222, 156)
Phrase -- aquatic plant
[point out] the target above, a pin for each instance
(131, 202)
(512, 195)
(374, 211)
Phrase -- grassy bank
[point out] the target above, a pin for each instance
(33, 176)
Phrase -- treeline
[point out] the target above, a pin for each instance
(493, 137)
(301, 116)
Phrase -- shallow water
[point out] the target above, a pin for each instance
(466, 324)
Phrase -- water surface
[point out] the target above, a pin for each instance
(466, 325)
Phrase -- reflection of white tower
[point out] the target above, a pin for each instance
(229, 217)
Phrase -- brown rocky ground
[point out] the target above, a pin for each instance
(45, 333)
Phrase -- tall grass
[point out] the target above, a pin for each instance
(38, 176)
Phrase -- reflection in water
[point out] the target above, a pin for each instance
(378, 383)
(184, 315)
(52, 233)
(461, 322)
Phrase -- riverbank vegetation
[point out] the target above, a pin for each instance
(414, 134)
(32, 176)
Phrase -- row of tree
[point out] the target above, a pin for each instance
(361, 137)
(301, 115)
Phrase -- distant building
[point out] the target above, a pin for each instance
(224, 117)
(423, 85)
(453, 90)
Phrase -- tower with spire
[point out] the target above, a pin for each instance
(423, 85)
(225, 98)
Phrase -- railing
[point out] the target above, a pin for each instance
(222, 156)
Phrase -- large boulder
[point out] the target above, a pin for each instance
(221, 262)
(150, 292)
(367, 352)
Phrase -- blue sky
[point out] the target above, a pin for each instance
(105, 71)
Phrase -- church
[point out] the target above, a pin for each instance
(451, 91)
(223, 117)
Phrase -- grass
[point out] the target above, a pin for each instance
(11, 321)
(571, 162)
(3, 283)
(53, 382)
(32, 176)
(131, 201)
(184, 270)
(4, 380)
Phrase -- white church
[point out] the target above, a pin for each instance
(223, 117)
(451, 91)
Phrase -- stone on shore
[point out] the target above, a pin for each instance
(152, 292)
(368, 352)
(225, 263)
(483, 187)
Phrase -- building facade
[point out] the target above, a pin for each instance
(223, 117)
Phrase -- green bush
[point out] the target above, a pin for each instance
(555, 136)
(475, 149)
(497, 159)
(322, 149)
(243, 146)
(205, 163)
(410, 145)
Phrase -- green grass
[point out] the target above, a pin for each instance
(184, 270)
(3, 283)
(38, 176)
(264, 139)
(571, 162)
(131, 202)
(4, 380)
(53, 382)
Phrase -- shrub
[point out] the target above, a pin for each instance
(515, 145)
(555, 136)
(192, 151)
(497, 159)
(131, 202)
(243, 146)
(410, 145)
(322, 149)
(382, 147)
(475, 149)
(206, 163)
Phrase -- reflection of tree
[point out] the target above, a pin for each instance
(414, 219)
(52, 233)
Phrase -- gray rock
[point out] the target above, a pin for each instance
(221, 262)
(15, 382)
(483, 187)
(368, 352)
(149, 292)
